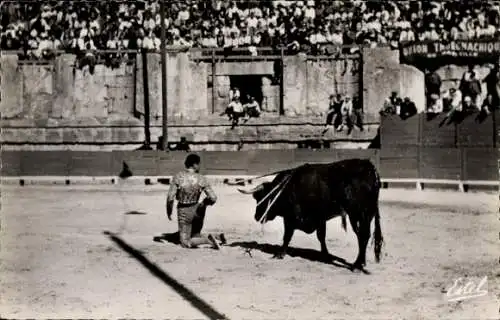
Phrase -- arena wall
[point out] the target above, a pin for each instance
(59, 106)
(456, 164)
(437, 131)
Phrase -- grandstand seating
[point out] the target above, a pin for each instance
(307, 26)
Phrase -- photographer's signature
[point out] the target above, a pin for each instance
(467, 288)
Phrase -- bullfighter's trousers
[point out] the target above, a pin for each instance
(190, 218)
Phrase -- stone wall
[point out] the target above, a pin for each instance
(309, 83)
(58, 91)
(186, 86)
(382, 74)
(57, 104)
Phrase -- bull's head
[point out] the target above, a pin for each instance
(259, 193)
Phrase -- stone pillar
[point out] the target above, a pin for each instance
(90, 94)
(222, 93)
(197, 90)
(173, 87)
(380, 78)
(11, 87)
(412, 85)
(184, 81)
(38, 93)
(63, 106)
(295, 85)
(270, 96)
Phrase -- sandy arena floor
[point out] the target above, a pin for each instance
(57, 261)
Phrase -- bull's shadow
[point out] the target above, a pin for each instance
(308, 254)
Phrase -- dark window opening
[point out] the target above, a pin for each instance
(248, 85)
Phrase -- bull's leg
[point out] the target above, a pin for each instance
(354, 224)
(321, 234)
(287, 237)
(363, 238)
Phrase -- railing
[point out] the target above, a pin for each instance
(207, 54)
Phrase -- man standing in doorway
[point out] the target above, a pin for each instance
(187, 187)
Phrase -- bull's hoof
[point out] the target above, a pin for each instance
(279, 256)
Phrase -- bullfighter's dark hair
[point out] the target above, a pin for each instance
(191, 160)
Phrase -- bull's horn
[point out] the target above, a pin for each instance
(251, 191)
(244, 191)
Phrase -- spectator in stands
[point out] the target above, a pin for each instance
(236, 111)
(346, 113)
(159, 143)
(432, 84)
(357, 113)
(488, 105)
(492, 81)
(454, 101)
(234, 93)
(297, 25)
(89, 59)
(469, 105)
(470, 86)
(251, 108)
(312, 27)
(391, 104)
(333, 116)
(435, 104)
(183, 145)
(407, 109)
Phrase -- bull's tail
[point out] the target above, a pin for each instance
(377, 237)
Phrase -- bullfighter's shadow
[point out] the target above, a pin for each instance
(173, 238)
(308, 254)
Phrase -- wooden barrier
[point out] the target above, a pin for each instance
(397, 132)
(438, 131)
(141, 163)
(45, 163)
(91, 163)
(226, 162)
(10, 163)
(401, 163)
(168, 163)
(408, 164)
(440, 163)
(266, 161)
(302, 156)
(480, 164)
(474, 133)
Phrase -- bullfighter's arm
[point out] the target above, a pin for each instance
(172, 192)
(209, 192)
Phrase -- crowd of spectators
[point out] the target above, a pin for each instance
(38, 27)
(466, 97)
(344, 112)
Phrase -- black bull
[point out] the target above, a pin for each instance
(310, 195)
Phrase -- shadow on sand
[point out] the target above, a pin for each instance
(308, 254)
(135, 213)
(184, 292)
(169, 237)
